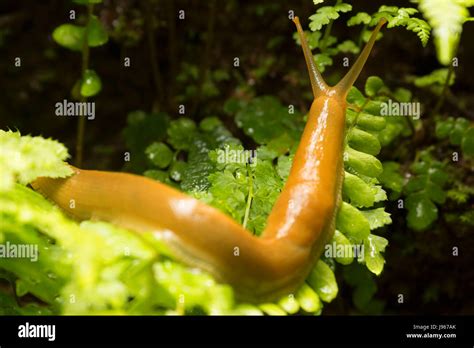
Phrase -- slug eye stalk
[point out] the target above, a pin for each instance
(318, 84)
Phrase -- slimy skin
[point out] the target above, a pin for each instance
(300, 224)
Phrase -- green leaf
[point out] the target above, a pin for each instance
(197, 289)
(373, 85)
(229, 193)
(458, 130)
(436, 77)
(229, 186)
(356, 97)
(284, 166)
(460, 126)
(313, 38)
(403, 17)
(359, 18)
(11, 307)
(363, 141)
(358, 191)
(373, 246)
(265, 119)
(267, 187)
(308, 299)
(322, 60)
(69, 36)
(365, 286)
(403, 95)
(90, 84)
(323, 281)
(444, 128)
(343, 243)
(159, 154)
(271, 309)
(352, 223)
(247, 309)
(363, 163)
(446, 18)
(233, 105)
(24, 158)
(389, 9)
(435, 192)
(209, 124)
(467, 144)
(158, 175)
(370, 122)
(289, 304)
(365, 121)
(325, 14)
(96, 33)
(348, 46)
(76, 90)
(373, 107)
(177, 170)
(142, 129)
(72, 36)
(391, 176)
(282, 144)
(460, 194)
(380, 194)
(181, 133)
(395, 126)
(416, 183)
(199, 149)
(422, 212)
(421, 28)
(377, 218)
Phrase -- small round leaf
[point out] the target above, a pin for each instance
(96, 34)
(69, 36)
(91, 84)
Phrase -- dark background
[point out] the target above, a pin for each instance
(212, 34)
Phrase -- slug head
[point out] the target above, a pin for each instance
(319, 86)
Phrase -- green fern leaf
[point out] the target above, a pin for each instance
(325, 14)
(360, 18)
(446, 18)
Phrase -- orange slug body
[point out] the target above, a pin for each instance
(300, 224)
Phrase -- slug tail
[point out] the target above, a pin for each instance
(317, 82)
(348, 80)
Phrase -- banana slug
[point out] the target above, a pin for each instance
(299, 225)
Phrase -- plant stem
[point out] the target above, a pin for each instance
(360, 41)
(442, 97)
(356, 118)
(327, 32)
(81, 127)
(249, 198)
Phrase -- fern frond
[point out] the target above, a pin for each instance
(446, 18)
(421, 28)
(325, 14)
(396, 17)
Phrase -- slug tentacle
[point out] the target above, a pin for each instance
(348, 80)
(318, 84)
